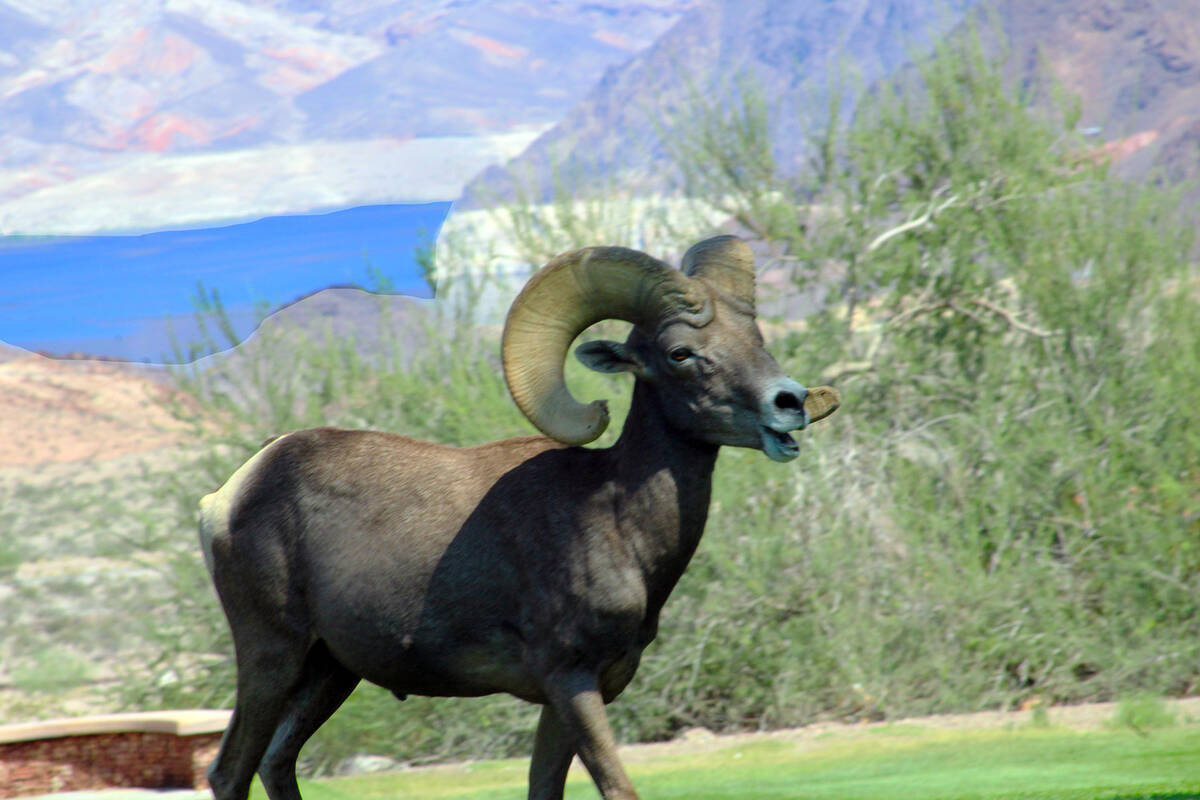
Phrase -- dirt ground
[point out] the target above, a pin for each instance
(59, 411)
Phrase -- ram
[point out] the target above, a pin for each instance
(531, 566)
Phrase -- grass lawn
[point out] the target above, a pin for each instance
(901, 762)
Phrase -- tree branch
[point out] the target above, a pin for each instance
(931, 211)
(1012, 320)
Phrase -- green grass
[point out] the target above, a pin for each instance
(884, 763)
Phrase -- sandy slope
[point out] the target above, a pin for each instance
(65, 411)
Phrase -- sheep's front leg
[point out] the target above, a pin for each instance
(576, 698)
(553, 750)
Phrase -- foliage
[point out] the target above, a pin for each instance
(1143, 712)
(55, 668)
(584, 210)
(1007, 505)
(424, 257)
(10, 558)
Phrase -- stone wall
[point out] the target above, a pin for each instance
(63, 756)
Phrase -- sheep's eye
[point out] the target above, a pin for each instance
(681, 354)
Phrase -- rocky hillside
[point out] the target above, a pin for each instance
(797, 53)
(62, 411)
(1135, 67)
(182, 75)
(88, 87)
(1132, 64)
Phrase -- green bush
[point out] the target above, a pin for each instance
(1007, 503)
(1143, 712)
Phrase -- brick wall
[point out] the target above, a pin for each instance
(106, 760)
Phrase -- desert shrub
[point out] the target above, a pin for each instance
(1007, 503)
(1143, 712)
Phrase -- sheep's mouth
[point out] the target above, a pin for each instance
(778, 445)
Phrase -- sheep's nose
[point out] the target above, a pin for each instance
(791, 399)
(783, 405)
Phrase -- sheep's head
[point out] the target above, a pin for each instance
(695, 340)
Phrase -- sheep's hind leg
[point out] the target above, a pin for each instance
(577, 699)
(323, 687)
(553, 750)
(268, 669)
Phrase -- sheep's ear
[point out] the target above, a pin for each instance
(606, 356)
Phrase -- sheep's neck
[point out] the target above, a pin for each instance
(663, 488)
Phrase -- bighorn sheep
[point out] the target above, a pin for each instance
(529, 566)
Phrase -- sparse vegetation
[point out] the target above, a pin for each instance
(1143, 712)
(54, 669)
(10, 557)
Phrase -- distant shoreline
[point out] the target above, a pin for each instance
(125, 296)
(142, 192)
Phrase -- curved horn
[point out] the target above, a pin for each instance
(727, 263)
(573, 291)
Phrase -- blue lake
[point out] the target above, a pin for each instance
(114, 295)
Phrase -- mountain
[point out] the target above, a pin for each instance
(794, 52)
(1133, 65)
(90, 87)
(186, 74)
(121, 115)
